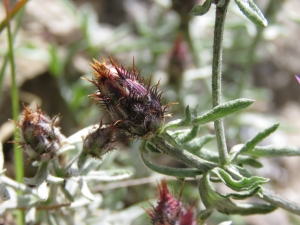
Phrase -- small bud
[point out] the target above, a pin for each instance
(99, 141)
(133, 106)
(169, 210)
(40, 136)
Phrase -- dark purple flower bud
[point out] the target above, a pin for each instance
(169, 210)
(133, 106)
(99, 141)
(40, 136)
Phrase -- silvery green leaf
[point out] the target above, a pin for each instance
(274, 151)
(239, 182)
(16, 201)
(258, 138)
(30, 216)
(170, 171)
(226, 223)
(252, 12)
(79, 135)
(82, 201)
(55, 180)
(108, 175)
(43, 191)
(222, 111)
(214, 200)
(4, 194)
(39, 177)
(39, 180)
(196, 145)
(85, 189)
(74, 171)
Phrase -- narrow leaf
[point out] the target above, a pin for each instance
(180, 122)
(259, 137)
(54, 179)
(170, 171)
(108, 175)
(4, 194)
(213, 200)
(195, 145)
(274, 151)
(239, 185)
(85, 189)
(242, 194)
(252, 12)
(187, 135)
(223, 110)
(200, 10)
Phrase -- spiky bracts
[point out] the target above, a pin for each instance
(170, 210)
(135, 107)
(40, 136)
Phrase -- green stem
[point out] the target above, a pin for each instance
(217, 77)
(5, 59)
(18, 157)
(15, 104)
(167, 145)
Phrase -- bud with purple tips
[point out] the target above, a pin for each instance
(133, 106)
(169, 210)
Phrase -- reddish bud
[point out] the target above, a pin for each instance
(99, 141)
(133, 106)
(169, 210)
(40, 136)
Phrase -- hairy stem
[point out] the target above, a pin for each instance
(217, 77)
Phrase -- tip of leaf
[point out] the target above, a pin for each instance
(265, 23)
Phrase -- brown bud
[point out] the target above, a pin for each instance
(134, 106)
(99, 141)
(40, 136)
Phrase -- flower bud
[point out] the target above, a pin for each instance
(133, 106)
(169, 210)
(40, 136)
(99, 141)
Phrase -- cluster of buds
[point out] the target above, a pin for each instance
(169, 210)
(40, 135)
(134, 106)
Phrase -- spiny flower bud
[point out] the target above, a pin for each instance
(99, 141)
(169, 210)
(133, 106)
(40, 136)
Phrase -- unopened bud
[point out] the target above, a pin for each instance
(169, 210)
(99, 141)
(40, 136)
(134, 106)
